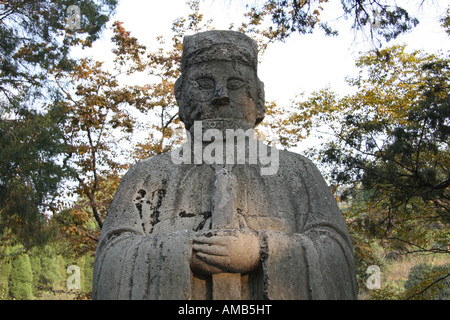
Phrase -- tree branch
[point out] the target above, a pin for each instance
(428, 287)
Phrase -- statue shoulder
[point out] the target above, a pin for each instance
(291, 161)
(157, 165)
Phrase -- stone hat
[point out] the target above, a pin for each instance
(219, 45)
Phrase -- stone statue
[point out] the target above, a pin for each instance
(192, 224)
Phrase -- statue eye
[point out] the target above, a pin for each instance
(205, 83)
(234, 84)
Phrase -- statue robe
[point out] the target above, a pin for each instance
(146, 243)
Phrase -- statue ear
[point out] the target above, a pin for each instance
(260, 103)
(178, 89)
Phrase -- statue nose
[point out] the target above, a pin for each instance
(221, 97)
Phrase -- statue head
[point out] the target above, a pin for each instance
(219, 83)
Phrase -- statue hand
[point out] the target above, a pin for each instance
(225, 250)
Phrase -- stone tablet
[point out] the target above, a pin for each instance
(224, 216)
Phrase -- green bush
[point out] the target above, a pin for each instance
(50, 276)
(21, 278)
(388, 292)
(87, 273)
(428, 282)
(5, 272)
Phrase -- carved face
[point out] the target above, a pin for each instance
(222, 94)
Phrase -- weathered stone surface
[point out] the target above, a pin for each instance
(199, 230)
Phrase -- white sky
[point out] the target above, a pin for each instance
(303, 63)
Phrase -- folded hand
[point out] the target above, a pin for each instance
(225, 250)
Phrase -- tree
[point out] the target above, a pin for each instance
(385, 152)
(30, 173)
(428, 282)
(391, 140)
(49, 275)
(376, 20)
(36, 37)
(95, 113)
(445, 21)
(165, 131)
(157, 111)
(35, 40)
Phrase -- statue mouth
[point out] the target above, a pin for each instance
(225, 123)
(222, 119)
